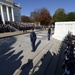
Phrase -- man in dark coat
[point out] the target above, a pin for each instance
(49, 33)
(33, 39)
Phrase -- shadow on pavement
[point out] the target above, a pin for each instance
(38, 43)
(27, 67)
(9, 61)
(51, 63)
(6, 43)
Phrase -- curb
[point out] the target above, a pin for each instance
(11, 35)
(14, 34)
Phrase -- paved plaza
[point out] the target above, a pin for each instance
(16, 50)
(15, 53)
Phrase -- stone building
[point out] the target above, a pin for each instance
(9, 11)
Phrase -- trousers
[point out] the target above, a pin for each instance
(33, 46)
(48, 36)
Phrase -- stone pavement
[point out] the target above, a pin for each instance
(45, 60)
(14, 56)
(18, 55)
(8, 34)
(35, 56)
(4, 35)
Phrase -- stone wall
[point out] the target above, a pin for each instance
(62, 29)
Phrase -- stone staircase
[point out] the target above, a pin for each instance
(46, 61)
(13, 29)
(50, 61)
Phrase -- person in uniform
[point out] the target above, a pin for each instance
(49, 33)
(33, 39)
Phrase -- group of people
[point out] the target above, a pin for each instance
(4, 28)
(69, 60)
(8, 26)
(33, 37)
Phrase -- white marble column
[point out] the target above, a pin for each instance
(2, 14)
(12, 12)
(7, 9)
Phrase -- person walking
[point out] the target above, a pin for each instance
(49, 33)
(33, 39)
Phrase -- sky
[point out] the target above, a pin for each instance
(28, 6)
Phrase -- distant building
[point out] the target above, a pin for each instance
(9, 11)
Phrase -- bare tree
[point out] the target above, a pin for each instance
(42, 15)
